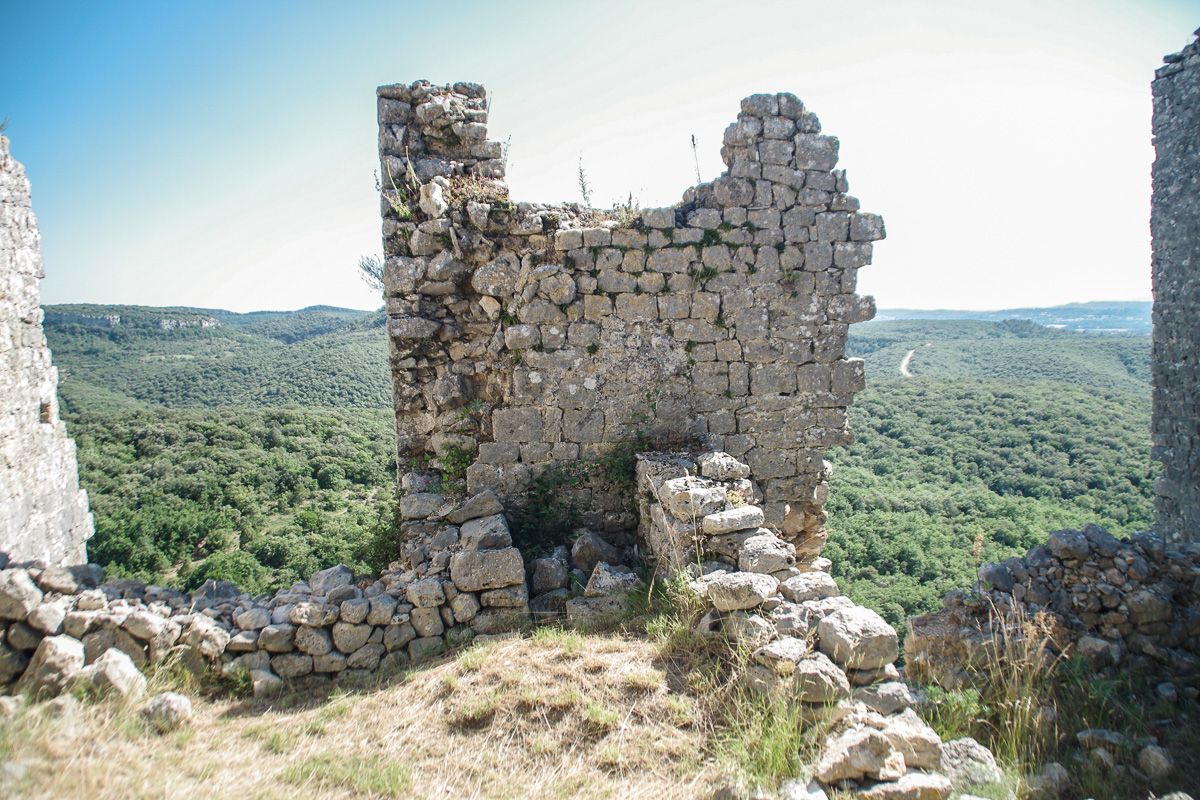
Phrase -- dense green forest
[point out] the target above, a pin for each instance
(945, 474)
(260, 496)
(260, 447)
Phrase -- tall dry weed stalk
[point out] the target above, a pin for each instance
(1017, 683)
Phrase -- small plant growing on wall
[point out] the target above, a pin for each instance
(585, 188)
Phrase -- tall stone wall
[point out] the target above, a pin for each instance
(1175, 225)
(526, 334)
(43, 513)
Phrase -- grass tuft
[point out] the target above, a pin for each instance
(371, 776)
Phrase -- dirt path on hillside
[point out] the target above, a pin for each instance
(904, 363)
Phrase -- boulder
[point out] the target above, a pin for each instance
(366, 657)
(782, 655)
(609, 579)
(485, 533)
(383, 606)
(476, 570)
(58, 579)
(766, 553)
(818, 680)
(279, 638)
(809, 586)
(349, 638)
(484, 504)
(426, 593)
(464, 606)
(314, 641)
(144, 625)
(747, 631)
(593, 611)
(48, 617)
(292, 665)
(547, 574)
(858, 638)
(253, 619)
(425, 648)
(55, 663)
(329, 662)
(736, 591)
(797, 789)
(243, 642)
(691, 499)
(1068, 545)
(589, 549)
(326, 580)
(508, 597)
(857, 754)
(912, 786)
(886, 698)
(721, 467)
(398, 636)
(354, 611)
(204, 637)
(1156, 762)
(167, 711)
(265, 683)
(916, 741)
(313, 614)
(739, 518)
(18, 594)
(967, 763)
(114, 672)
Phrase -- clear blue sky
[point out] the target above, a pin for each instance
(221, 154)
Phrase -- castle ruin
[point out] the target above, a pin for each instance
(43, 512)
(524, 335)
(1175, 226)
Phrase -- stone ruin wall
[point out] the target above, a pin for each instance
(1175, 225)
(43, 512)
(527, 334)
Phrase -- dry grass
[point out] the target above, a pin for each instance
(555, 715)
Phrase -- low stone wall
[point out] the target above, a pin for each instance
(467, 581)
(1132, 602)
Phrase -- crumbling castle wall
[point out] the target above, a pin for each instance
(524, 335)
(1175, 225)
(43, 513)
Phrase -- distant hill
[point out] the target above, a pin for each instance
(1095, 317)
(111, 356)
(1010, 350)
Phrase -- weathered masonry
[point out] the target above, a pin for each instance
(525, 334)
(43, 513)
(1175, 225)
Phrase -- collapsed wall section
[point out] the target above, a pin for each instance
(524, 335)
(1175, 226)
(43, 513)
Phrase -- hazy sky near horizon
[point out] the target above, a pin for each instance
(221, 154)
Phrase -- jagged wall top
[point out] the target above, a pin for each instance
(524, 334)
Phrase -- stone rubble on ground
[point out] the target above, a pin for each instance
(331, 629)
(810, 645)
